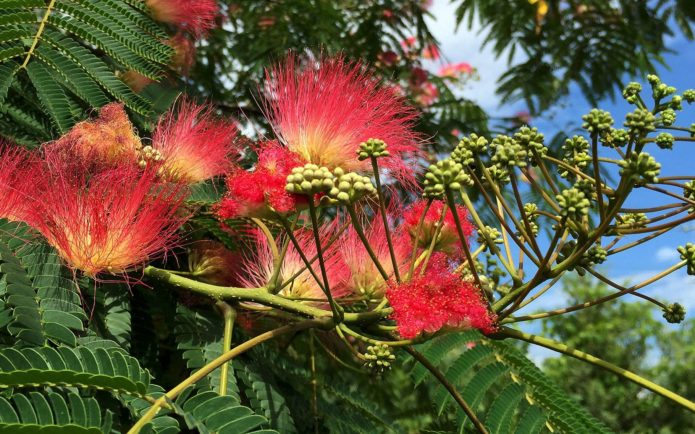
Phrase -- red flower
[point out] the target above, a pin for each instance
(109, 139)
(193, 144)
(110, 221)
(431, 52)
(427, 94)
(259, 193)
(17, 180)
(184, 53)
(449, 241)
(437, 300)
(455, 70)
(323, 112)
(195, 16)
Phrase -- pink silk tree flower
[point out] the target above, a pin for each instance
(436, 300)
(324, 109)
(259, 268)
(194, 16)
(192, 144)
(18, 179)
(364, 277)
(109, 222)
(448, 241)
(261, 192)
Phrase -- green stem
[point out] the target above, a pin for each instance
(258, 295)
(229, 315)
(224, 358)
(298, 248)
(337, 311)
(411, 270)
(382, 207)
(624, 373)
(449, 388)
(464, 242)
(360, 233)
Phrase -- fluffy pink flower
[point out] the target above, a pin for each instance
(192, 144)
(449, 241)
(17, 183)
(364, 278)
(110, 221)
(431, 52)
(195, 16)
(262, 192)
(259, 268)
(436, 300)
(324, 110)
(455, 70)
(426, 94)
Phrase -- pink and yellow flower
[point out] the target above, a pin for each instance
(448, 240)
(17, 183)
(193, 144)
(325, 109)
(194, 16)
(455, 70)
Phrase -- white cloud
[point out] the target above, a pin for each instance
(666, 254)
(465, 45)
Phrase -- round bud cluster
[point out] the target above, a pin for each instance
(688, 255)
(530, 139)
(664, 141)
(689, 190)
(689, 95)
(640, 122)
(508, 152)
(488, 236)
(676, 102)
(499, 175)
(597, 121)
(661, 90)
(586, 186)
(531, 216)
(350, 187)
(640, 168)
(631, 92)
(594, 256)
(668, 117)
(372, 148)
(309, 179)
(576, 154)
(674, 313)
(634, 220)
(147, 154)
(379, 358)
(445, 174)
(467, 148)
(573, 203)
(616, 137)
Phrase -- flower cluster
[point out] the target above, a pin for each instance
(437, 221)
(438, 299)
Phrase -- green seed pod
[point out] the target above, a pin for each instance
(674, 313)
(372, 148)
(640, 168)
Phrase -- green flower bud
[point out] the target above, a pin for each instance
(372, 148)
(664, 140)
(634, 220)
(640, 168)
(467, 148)
(688, 255)
(653, 79)
(530, 139)
(676, 102)
(597, 121)
(348, 188)
(488, 235)
(587, 187)
(508, 152)
(689, 190)
(674, 313)
(631, 92)
(668, 117)
(689, 95)
(530, 209)
(616, 137)
(379, 358)
(309, 179)
(499, 175)
(445, 174)
(594, 256)
(662, 90)
(575, 154)
(640, 122)
(573, 203)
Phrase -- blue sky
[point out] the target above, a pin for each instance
(635, 264)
